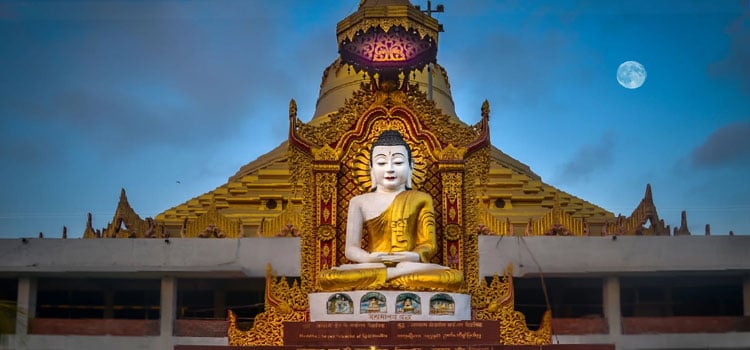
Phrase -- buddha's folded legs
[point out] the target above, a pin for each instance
(447, 280)
(352, 279)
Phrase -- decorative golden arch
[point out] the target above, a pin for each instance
(336, 169)
(326, 168)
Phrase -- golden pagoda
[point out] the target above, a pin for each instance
(263, 199)
(386, 77)
(161, 287)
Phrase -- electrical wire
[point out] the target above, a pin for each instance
(544, 285)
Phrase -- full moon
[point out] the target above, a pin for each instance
(631, 74)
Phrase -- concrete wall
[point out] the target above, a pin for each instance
(613, 255)
(249, 256)
(175, 256)
(101, 342)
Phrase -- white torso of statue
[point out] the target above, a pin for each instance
(390, 173)
(401, 227)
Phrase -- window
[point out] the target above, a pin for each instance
(8, 298)
(568, 297)
(211, 298)
(681, 296)
(98, 298)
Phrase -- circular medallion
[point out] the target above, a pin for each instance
(452, 232)
(326, 232)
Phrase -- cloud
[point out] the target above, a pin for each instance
(735, 65)
(588, 159)
(727, 145)
(124, 77)
(526, 56)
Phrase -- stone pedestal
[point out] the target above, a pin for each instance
(383, 305)
(395, 333)
(397, 347)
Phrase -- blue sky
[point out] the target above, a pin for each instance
(167, 99)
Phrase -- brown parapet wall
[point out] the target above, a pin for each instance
(445, 347)
(201, 328)
(685, 324)
(93, 326)
(579, 326)
(415, 333)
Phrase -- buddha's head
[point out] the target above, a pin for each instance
(390, 163)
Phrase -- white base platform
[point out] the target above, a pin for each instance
(389, 305)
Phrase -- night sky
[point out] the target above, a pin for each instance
(167, 99)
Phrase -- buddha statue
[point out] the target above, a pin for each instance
(400, 225)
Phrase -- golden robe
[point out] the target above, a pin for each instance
(407, 225)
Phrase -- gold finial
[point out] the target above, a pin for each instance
(486, 109)
(292, 108)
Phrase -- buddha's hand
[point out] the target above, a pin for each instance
(374, 257)
(397, 257)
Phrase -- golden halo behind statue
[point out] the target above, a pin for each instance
(360, 166)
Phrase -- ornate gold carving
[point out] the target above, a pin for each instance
(327, 257)
(452, 152)
(284, 303)
(326, 184)
(212, 231)
(644, 213)
(363, 100)
(347, 137)
(326, 232)
(300, 166)
(126, 223)
(486, 108)
(292, 108)
(406, 19)
(491, 225)
(496, 302)
(288, 223)
(453, 232)
(326, 153)
(213, 224)
(555, 222)
(387, 95)
(340, 122)
(452, 186)
(452, 158)
(476, 168)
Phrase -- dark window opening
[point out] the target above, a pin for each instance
(137, 304)
(70, 304)
(271, 204)
(681, 296)
(568, 298)
(499, 203)
(211, 298)
(195, 304)
(8, 305)
(98, 298)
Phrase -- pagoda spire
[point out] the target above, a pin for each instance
(683, 230)
(379, 3)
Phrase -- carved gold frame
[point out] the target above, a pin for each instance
(323, 162)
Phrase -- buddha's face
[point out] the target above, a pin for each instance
(391, 168)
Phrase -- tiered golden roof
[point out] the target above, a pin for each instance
(260, 199)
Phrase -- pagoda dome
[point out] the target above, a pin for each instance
(340, 81)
